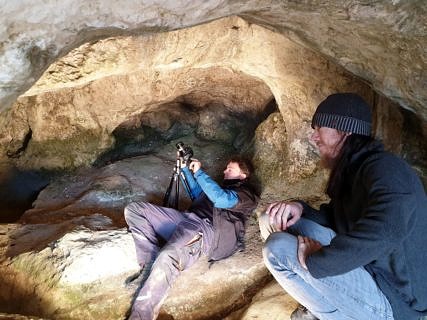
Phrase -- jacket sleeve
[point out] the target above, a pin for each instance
(386, 220)
(195, 189)
(221, 198)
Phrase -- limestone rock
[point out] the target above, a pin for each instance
(120, 88)
(73, 245)
(68, 122)
(82, 274)
(365, 38)
(73, 252)
(239, 276)
(282, 176)
(107, 190)
(271, 302)
(104, 114)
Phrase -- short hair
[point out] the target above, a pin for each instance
(245, 164)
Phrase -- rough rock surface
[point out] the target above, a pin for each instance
(364, 37)
(122, 89)
(84, 108)
(68, 250)
(270, 303)
(71, 254)
(83, 273)
(108, 189)
(76, 111)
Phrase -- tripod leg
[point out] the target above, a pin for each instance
(186, 186)
(176, 200)
(170, 198)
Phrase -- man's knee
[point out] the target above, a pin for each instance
(279, 245)
(265, 227)
(169, 259)
(134, 209)
(129, 211)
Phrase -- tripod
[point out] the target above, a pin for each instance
(171, 197)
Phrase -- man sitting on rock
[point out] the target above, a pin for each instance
(214, 225)
(362, 255)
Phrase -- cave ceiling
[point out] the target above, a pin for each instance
(382, 42)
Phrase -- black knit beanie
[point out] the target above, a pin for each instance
(346, 112)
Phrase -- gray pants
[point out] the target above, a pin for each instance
(185, 235)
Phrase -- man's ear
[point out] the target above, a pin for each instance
(242, 175)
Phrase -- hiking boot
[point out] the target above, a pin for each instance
(302, 313)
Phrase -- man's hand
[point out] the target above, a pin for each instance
(195, 165)
(182, 163)
(284, 214)
(306, 247)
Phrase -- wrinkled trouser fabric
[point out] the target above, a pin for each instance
(353, 295)
(182, 233)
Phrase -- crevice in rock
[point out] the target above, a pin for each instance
(18, 190)
(414, 139)
(23, 147)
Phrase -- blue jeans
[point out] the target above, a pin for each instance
(353, 295)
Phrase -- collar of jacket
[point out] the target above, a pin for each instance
(233, 182)
(360, 156)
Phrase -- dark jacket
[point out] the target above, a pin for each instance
(381, 224)
(228, 223)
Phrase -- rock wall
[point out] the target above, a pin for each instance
(366, 38)
(87, 104)
(221, 87)
(71, 116)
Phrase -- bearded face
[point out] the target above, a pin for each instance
(329, 143)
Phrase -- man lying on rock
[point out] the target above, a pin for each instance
(214, 225)
(362, 255)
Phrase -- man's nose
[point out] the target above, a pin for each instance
(314, 135)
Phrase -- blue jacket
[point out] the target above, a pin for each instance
(201, 182)
(226, 207)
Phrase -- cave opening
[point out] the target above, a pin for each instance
(18, 190)
(217, 120)
(183, 118)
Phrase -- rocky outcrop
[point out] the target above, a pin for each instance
(70, 256)
(83, 274)
(365, 38)
(103, 120)
(93, 108)
(88, 109)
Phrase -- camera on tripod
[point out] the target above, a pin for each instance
(171, 197)
(185, 152)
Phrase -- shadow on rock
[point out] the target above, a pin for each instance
(18, 190)
(20, 295)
